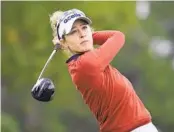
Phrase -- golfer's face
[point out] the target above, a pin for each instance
(80, 38)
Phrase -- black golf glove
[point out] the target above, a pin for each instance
(43, 90)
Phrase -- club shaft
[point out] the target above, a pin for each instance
(46, 64)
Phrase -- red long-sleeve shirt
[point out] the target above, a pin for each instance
(109, 95)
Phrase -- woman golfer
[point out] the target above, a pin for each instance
(109, 94)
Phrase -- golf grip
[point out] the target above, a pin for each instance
(49, 59)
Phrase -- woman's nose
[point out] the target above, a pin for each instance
(82, 33)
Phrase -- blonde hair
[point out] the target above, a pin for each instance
(54, 18)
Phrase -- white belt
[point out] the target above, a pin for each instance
(146, 128)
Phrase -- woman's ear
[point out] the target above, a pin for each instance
(63, 44)
(55, 40)
(61, 41)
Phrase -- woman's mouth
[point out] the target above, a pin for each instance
(84, 41)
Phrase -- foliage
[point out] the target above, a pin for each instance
(9, 124)
(27, 43)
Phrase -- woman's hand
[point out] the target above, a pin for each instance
(57, 43)
(56, 40)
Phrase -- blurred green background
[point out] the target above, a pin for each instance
(147, 59)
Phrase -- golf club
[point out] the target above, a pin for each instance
(49, 59)
(43, 90)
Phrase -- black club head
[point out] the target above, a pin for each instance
(43, 90)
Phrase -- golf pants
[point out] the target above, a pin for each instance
(146, 128)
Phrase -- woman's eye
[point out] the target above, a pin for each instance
(73, 31)
(85, 27)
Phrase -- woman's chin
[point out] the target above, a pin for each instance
(84, 49)
(87, 49)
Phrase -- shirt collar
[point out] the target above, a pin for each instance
(75, 56)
